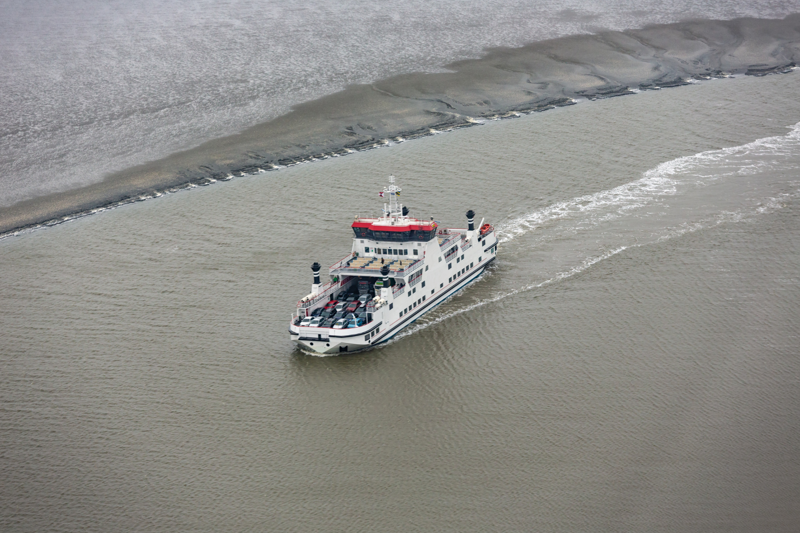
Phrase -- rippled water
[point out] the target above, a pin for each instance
(628, 364)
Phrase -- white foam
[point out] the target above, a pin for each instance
(668, 178)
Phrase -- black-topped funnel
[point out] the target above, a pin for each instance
(315, 268)
(471, 220)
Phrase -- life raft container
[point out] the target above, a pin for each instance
(486, 228)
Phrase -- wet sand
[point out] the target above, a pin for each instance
(503, 83)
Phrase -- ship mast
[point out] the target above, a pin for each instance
(394, 210)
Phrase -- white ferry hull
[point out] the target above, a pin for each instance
(324, 341)
(400, 268)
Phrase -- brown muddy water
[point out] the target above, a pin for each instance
(630, 363)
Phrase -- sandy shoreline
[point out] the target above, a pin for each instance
(504, 82)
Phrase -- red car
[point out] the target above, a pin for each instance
(330, 305)
(352, 306)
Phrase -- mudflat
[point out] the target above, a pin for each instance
(503, 83)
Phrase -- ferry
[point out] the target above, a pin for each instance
(399, 268)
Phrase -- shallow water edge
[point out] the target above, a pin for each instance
(503, 84)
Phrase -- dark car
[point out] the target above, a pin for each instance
(326, 323)
(316, 312)
(342, 295)
(338, 315)
(328, 313)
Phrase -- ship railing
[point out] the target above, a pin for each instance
(393, 273)
(324, 294)
(343, 261)
(466, 246)
(414, 281)
(449, 256)
(413, 267)
(449, 240)
(398, 290)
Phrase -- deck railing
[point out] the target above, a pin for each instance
(398, 290)
(393, 273)
(449, 239)
(324, 294)
(343, 261)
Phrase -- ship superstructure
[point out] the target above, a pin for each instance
(398, 269)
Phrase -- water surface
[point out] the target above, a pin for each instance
(628, 364)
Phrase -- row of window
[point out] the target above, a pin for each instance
(372, 333)
(389, 251)
(399, 236)
(460, 272)
(412, 306)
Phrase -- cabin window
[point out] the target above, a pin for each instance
(423, 298)
(405, 252)
(366, 249)
(391, 306)
(366, 337)
(470, 265)
(431, 291)
(450, 279)
(416, 252)
(415, 304)
(479, 259)
(441, 285)
(458, 259)
(423, 283)
(462, 256)
(426, 269)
